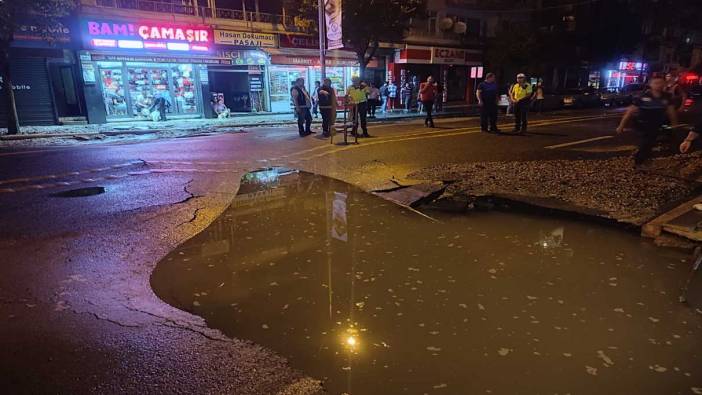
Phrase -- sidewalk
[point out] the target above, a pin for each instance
(182, 127)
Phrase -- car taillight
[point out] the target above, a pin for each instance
(689, 102)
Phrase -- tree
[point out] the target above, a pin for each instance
(42, 13)
(368, 22)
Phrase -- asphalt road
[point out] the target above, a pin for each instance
(78, 311)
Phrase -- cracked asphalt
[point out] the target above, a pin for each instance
(78, 312)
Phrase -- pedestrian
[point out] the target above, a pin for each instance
(406, 93)
(327, 106)
(384, 97)
(488, 100)
(392, 96)
(651, 111)
(414, 101)
(357, 98)
(315, 99)
(677, 93)
(159, 107)
(427, 95)
(539, 97)
(220, 108)
(439, 102)
(373, 99)
(302, 102)
(520, 94)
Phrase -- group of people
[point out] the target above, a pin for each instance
(362, 101)
(522, 96)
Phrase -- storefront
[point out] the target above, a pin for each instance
(298, 58)
(449, 66)
(244, 84)
(624, 73)
(44, 75)
(128, 65)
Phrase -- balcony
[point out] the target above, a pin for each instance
(288, 23)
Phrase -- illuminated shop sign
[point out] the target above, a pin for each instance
(150, 36)
(632, 66)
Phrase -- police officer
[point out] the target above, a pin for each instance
(520, 94)
(357, 97)
(652, 110)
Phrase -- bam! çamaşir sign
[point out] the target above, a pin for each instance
(245, 39)
(149, 36)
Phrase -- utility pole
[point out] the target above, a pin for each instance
(322, 41)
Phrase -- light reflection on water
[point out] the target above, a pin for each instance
(376, 299)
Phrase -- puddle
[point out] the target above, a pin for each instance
(80, 192)
(373, 298)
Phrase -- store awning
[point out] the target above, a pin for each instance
(310, 57)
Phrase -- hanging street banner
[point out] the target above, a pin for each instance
(333, 16)
(245, 39)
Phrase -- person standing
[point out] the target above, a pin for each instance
(392, 95)
(488, 101)
(357, 97)
(315, 99)
(539, 97)
(520, 94)
(652, 110)
(406, 94)
(373, 99)
(302, 102)
(414, 101)
(439, 102)
(327, 106)
(384, 97)
(427, 95)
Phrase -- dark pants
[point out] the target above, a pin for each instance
(429, 108)
(326, 120)
(521, 109)
(407, 101)
(361, 112)
(304, 121)
(488, 117)
(372, 105)
(648, 137)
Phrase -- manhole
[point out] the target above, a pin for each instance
(80, 192)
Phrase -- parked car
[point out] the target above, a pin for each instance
(611, 97)
(692, 107)
(580, 98)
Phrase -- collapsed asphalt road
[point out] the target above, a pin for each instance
(81, 316)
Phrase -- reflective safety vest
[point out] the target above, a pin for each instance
(519, 92)
(357, 95)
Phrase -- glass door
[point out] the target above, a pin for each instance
(281, 81)
(184, 89)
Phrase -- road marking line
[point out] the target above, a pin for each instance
(579, 142)
(67, 174)
(545, 122)
(465, 131)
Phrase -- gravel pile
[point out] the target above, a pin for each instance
(611, 187)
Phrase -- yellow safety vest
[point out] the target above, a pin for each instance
(357, 95)
(519, 92)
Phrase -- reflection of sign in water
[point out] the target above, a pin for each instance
(339, 228)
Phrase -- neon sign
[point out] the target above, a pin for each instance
(151, 36)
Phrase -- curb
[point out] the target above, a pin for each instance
(205, 128)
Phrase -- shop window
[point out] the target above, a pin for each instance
(113, 91)
(145, 85)
(184, 89)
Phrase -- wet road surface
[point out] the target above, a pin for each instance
(367, 295)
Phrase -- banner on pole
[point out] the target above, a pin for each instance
(333, 16)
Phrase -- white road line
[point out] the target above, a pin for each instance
(579, 142)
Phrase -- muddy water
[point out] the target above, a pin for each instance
(375, 299)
